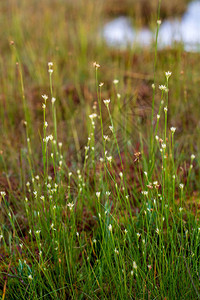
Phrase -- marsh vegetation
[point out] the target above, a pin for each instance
(99, 155)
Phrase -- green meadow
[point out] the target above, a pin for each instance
(99, 155)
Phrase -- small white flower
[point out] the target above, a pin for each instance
(52, 227)
(111, 128)
(180, 209)
(106, 137)
(43, 105)
(159, 22)
(96, 65)
(132, 272)
(53, 99)
(30, 277)
(118, 96)
(157, 137)
(94, 241)
(98, 194)
(181, 186)
(165, 109)
(92, 116)
(110, 227)
(164, 146)
(120, 174)
(109, 158)
(60, 145)
(38, 231)
(2, 193)
(173, 129)
(162, 87)
(70, 205)
(145, 193)
(108, 193)
(106, 102)
(50, 71)
(116, 251)
(101, 84)
(125, 231)
(45, 124)
(192, 157)
(50, 64)
(45, 97)
(49, 138)
(77, 233)
(168, 74)
(115, 81)
(157, 231)
(158, 117)
(134, 265)
(153, 86)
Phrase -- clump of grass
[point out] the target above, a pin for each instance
(148, 250)
(115, 223)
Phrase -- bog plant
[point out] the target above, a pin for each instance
(90, 231)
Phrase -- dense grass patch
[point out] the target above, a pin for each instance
(100, 166)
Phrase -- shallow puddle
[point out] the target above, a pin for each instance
(120, 32)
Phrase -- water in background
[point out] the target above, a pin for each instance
(120, 33)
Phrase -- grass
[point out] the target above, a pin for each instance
(100, 182)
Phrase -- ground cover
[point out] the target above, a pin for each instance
(99, 161)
